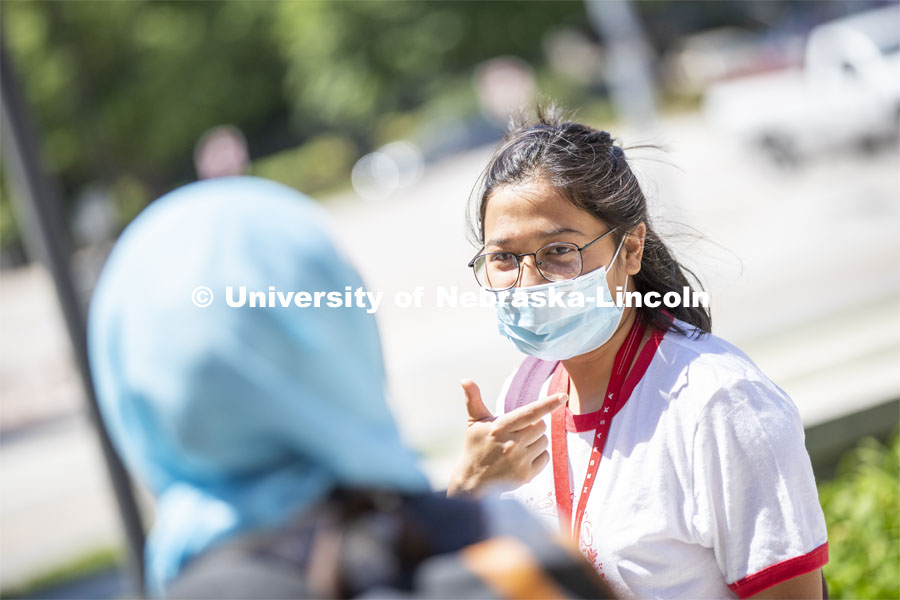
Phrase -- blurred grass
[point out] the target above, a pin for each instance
(95, 561)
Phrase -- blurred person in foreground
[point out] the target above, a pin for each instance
(264, 433)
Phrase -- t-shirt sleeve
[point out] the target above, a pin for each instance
(756, 503)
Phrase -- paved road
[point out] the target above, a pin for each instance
(803, 270)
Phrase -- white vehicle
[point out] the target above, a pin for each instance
(846, 95)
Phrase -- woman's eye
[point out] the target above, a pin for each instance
(502, 259)
(558, 250)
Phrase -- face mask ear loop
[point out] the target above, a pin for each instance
(611, 263)
(624, 289)
(616, 255)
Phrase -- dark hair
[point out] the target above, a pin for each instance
(586, 167)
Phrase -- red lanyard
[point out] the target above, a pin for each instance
(559, 383)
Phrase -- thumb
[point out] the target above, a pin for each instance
(474, 404)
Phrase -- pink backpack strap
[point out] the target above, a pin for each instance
(527, 382)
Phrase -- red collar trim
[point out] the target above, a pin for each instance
(590, 421)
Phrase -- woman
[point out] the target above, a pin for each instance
(264, 433)
(677, 466)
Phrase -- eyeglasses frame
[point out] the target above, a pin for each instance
(520, 262)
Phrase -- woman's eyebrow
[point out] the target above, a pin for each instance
(544, 234)
(559, 231)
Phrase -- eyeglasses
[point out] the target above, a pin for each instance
(559, 261)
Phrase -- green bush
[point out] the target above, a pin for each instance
(323, 163)
(862, 510)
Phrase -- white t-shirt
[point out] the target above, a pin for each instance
(705, 489)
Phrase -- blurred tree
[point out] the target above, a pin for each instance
(122, 90)
(350, 62)
(127, 87)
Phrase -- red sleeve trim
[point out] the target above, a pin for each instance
(780, 572)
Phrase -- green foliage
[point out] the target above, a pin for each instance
(313, 167)
(862, 510)
(127, 87)
(121, 91)
(349, 62)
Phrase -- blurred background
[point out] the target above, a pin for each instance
(779, 182)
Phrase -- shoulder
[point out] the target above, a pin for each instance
(734, 409)
(712, 375)
(706, 356)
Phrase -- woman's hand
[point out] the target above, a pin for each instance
(512, 447)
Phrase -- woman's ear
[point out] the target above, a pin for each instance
(633, 248)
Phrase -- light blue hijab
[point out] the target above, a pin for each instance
(235, 418)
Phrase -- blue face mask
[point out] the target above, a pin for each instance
(547, 322)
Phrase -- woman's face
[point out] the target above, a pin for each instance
(524, 217)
